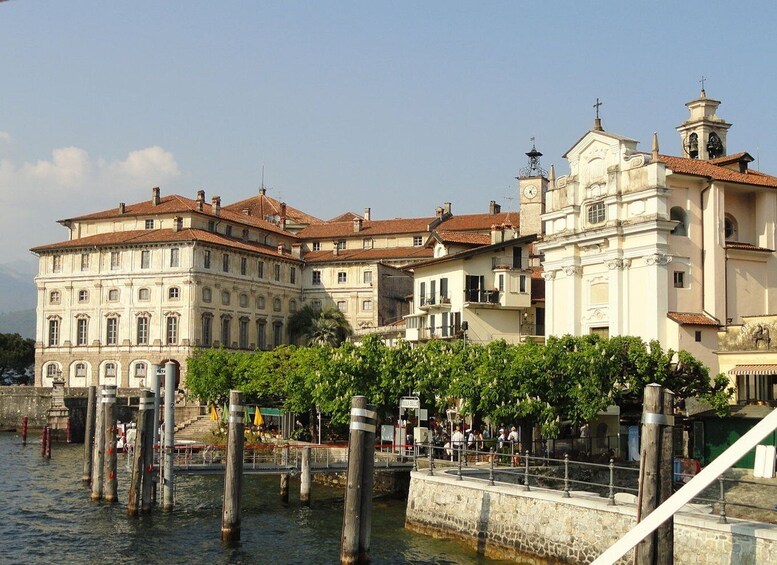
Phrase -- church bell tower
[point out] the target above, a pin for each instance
(532, 186)
(703, 135)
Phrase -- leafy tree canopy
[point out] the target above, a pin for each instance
(16, 356)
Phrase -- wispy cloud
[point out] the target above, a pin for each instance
(70, 182)
(5, 136)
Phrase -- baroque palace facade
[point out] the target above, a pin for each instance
(151, 282)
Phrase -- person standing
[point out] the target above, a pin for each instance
(457, 442)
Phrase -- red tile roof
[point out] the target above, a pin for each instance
(261, 206)
(748, 246)
(140, 237)
(691, 319)
(464, 237)
(479, 222)
(701, 168)
(176, 204)
(369, 228)
(394, 254)
(346, 217)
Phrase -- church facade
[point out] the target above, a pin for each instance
(672, 248)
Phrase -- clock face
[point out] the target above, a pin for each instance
(530, 191)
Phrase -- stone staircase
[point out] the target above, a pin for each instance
(196, 429)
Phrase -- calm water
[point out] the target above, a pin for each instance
(46, 517)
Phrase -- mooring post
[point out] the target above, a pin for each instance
(43, 441)
(305, 477)
(362, 424)
(47, 451)
(89, 434)
(98, 457)
(368, 479)
(147, 443)
(69, 431)
(139, 453)
(285, 476)
(665, 532)
(110, 480)
(649, 461)
(153, 384)
(25, 422)
(169, 478)
(233, 474)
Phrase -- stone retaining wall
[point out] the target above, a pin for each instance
(506, 522)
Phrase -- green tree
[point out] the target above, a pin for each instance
(325, 327)
(17, 354)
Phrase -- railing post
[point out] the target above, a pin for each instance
(458, 472)
(566, 475)
(612, 483)
(526, 476)
(491, 470)
(431, 459)
(305, 477)
(415, 456)
(722, 500)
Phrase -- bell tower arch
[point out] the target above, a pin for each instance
(703, 134)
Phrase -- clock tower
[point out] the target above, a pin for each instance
(532, 186)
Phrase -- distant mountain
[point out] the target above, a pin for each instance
(21, 322)
(17, 287)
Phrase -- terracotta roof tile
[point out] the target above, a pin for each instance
(749, 246)
(261, 206)
(176, 204)
(709, 169)
(395, 254)
(464, 237)
(692, 319)
(346, 217)
(140, 237)
(478, 222)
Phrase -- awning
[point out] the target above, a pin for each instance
(754, 370)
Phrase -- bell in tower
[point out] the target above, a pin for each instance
(703, 135)
(532, 185)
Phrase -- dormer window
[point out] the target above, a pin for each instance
(316, 246)
(340, 244)
(418, 241)
(149, 224)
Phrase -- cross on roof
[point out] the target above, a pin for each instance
(702, 83)
(596, 106)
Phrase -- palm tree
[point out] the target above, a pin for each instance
(325, 327)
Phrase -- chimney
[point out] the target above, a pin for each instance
(155, 196)
(280, 248)
(335, 249)
(357, 225)
(446, 208)
(200, 196)
(177, 223)
(494, 208)
(438, 211)
(497, 234)
(215, 203)
(367, 213)
(296, 250)
(283, 216)
(122, 207)
(199, 205)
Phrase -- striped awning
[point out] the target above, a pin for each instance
(754, 370)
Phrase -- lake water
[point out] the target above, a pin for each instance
(46, 517)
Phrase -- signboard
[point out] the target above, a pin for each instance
(409, 403)
(387, 433)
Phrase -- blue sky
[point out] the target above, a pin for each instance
(399, 106)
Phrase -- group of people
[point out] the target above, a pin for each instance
(469, 438)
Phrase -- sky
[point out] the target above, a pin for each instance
(397, 106)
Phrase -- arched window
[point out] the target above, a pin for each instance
(678, 214)
(79, 371)
(693, 146)
(144, 294)
(292, 306)
(276, 304)
(243, 300)
(731, 228)
(109, 373)
(52, 369)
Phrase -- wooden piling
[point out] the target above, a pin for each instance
(147, 441)
(110, 480)
(48, 442)
(233, 474)
(89, 434)
(155, 386)
(362, 423)
(665, 532)
(43, 441)
(25, 423)
(365, 529)
(98, 457)
(139, 453)
(169, 449)
(284, 487)
(305, 477)
(649, 458)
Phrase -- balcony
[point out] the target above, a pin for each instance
(434, 302)
(481, 296)
(494, 298)
(503, 264)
